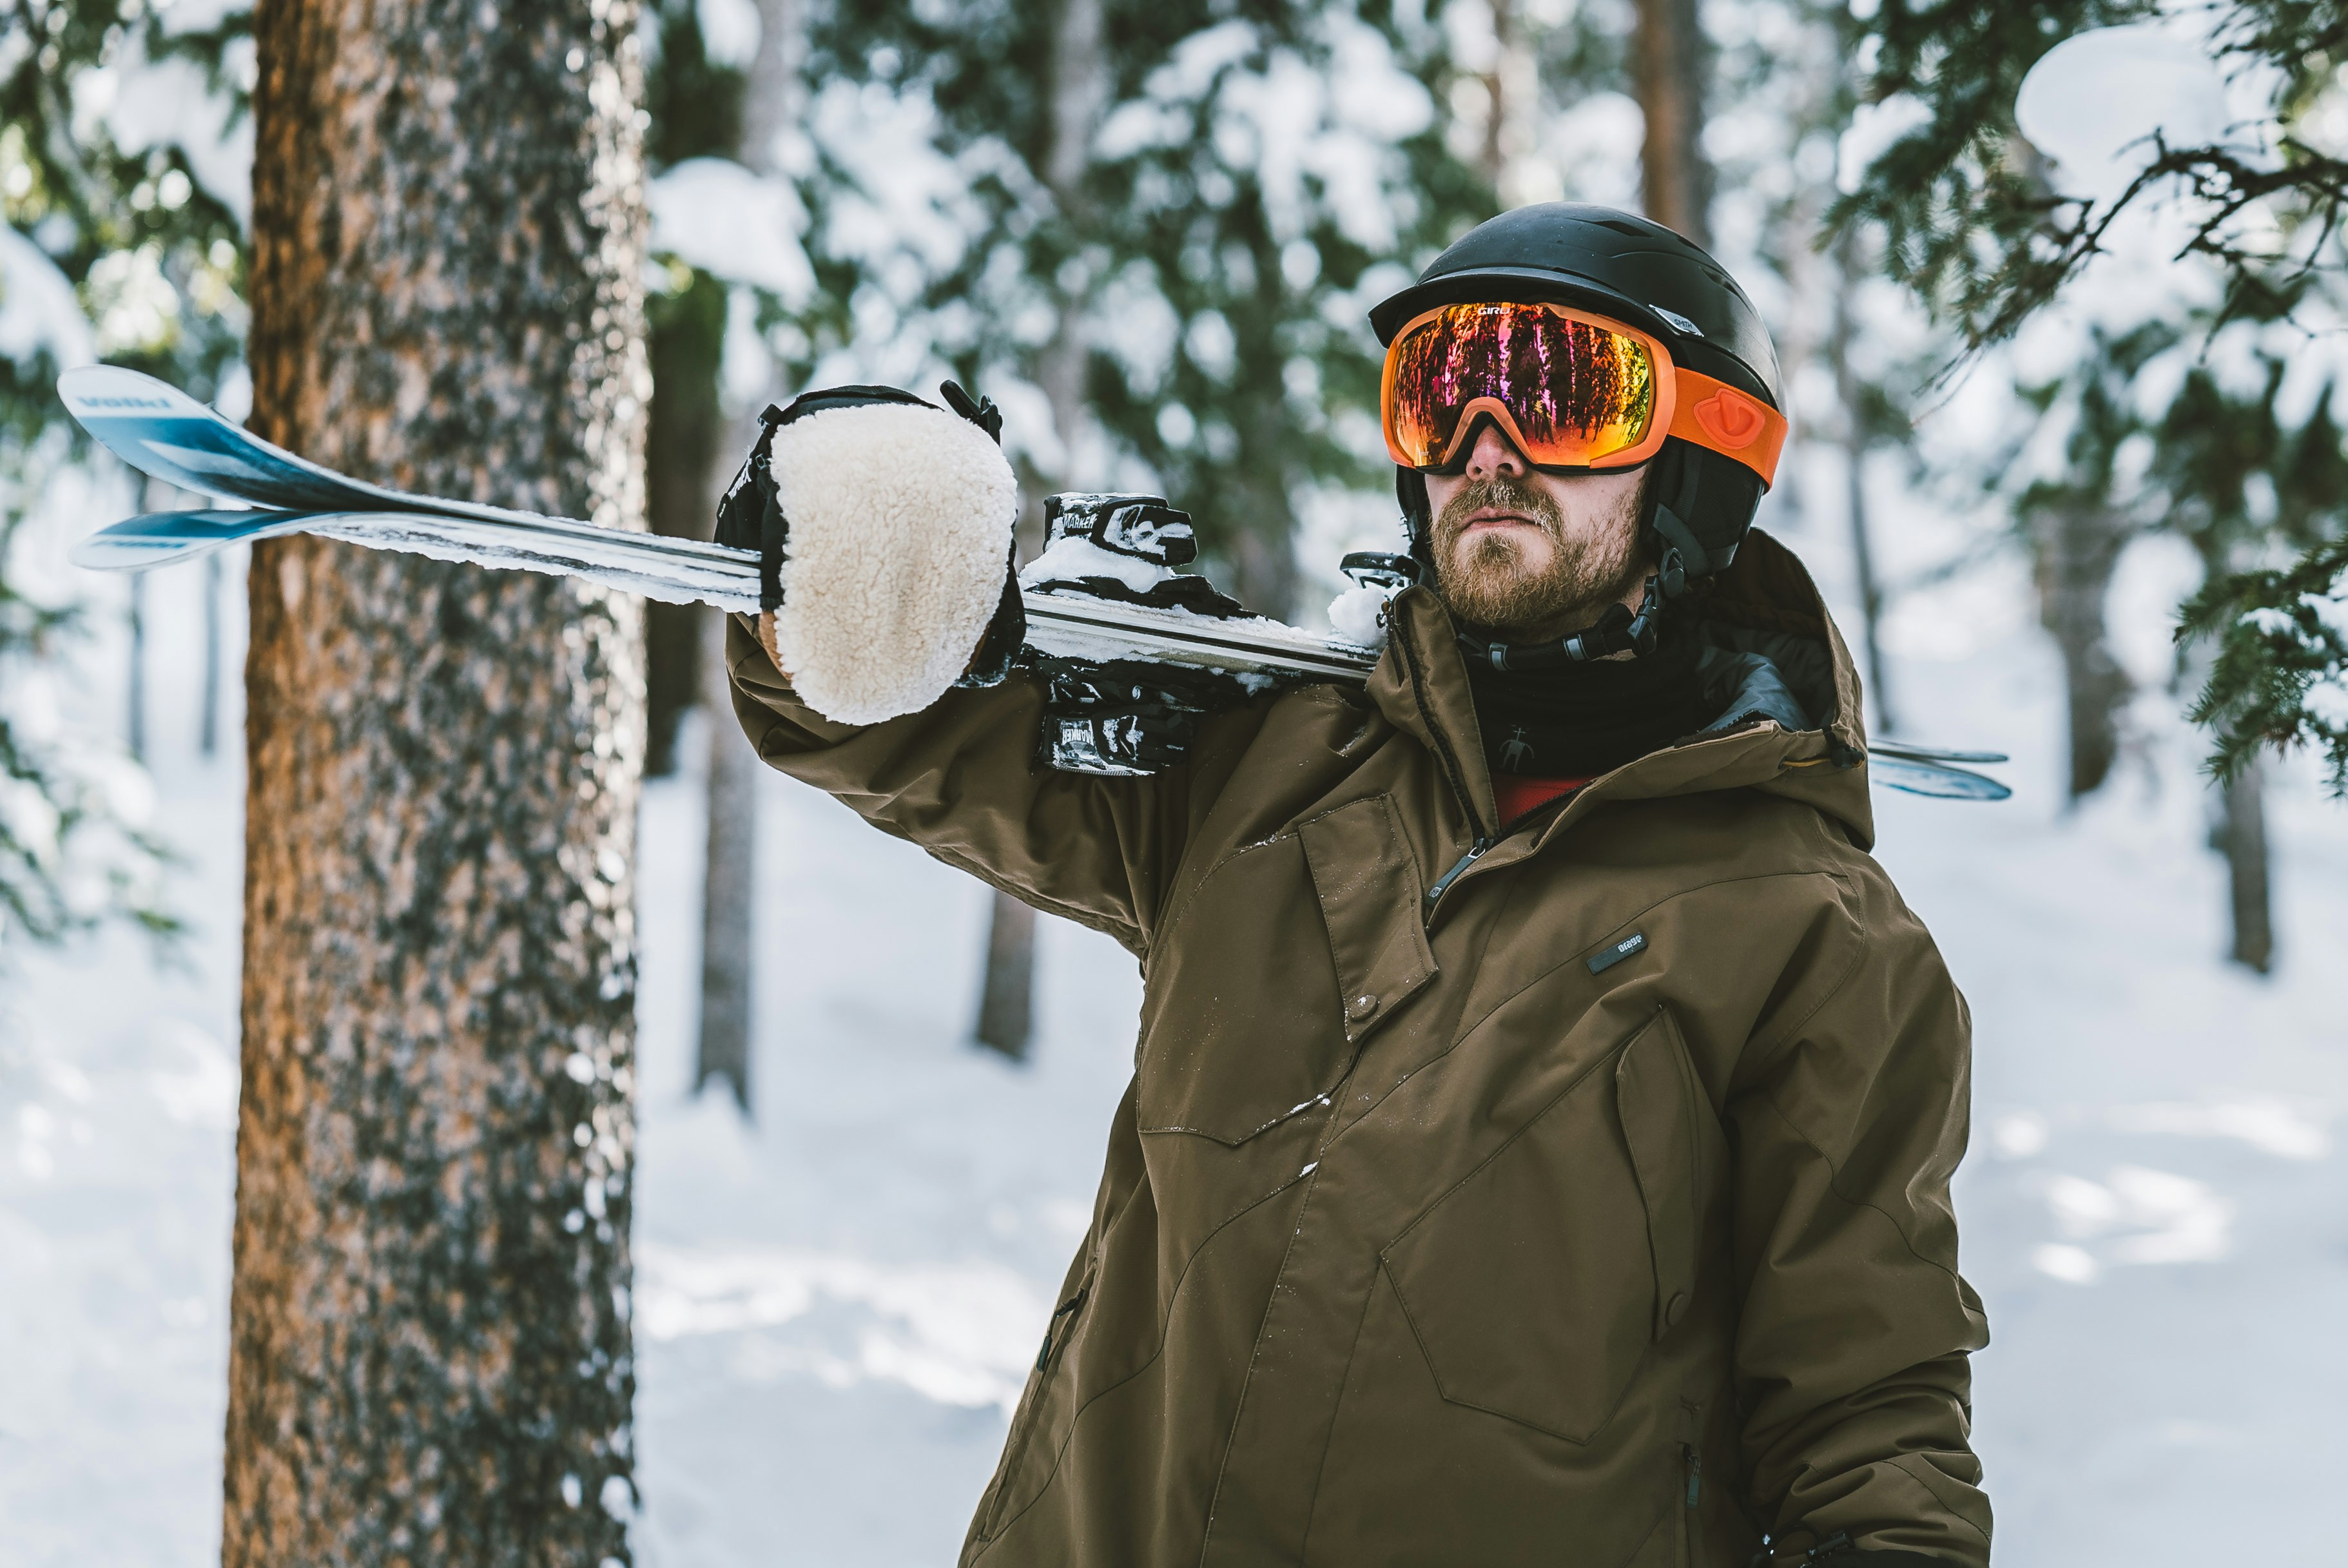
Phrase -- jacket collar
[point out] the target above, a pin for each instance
(1421, 687)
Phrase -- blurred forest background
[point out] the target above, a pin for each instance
(2056, 289)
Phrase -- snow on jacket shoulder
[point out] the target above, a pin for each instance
(1594, 1213)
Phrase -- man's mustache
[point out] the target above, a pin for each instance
(1500, 494)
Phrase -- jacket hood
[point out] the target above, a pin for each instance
(1791, 723)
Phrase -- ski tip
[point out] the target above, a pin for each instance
(162, 538)
(1911, 751)
(109, 391)
(1935, 779)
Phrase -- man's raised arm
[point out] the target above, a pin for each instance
(961, 779)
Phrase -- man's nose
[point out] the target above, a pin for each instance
(1494, 455)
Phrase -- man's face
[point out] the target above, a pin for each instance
(1536, 555)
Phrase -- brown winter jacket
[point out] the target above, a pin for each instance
(1595, 1211)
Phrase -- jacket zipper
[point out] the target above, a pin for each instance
(1015, 1448)
(1474, 852)
(1451, 775)
(1050, 1330)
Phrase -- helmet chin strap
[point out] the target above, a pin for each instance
(1671, 499)
(1619, 631)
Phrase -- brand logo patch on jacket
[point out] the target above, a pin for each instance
(1607, 957)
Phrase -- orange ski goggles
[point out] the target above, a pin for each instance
(1571, 390)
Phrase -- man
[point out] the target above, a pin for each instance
(1540, 1141)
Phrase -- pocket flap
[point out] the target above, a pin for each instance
(1367, 883)
(1288, 953)
(1522, 1282)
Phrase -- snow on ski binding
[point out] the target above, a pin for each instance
(1133, 652)
(1125, 716)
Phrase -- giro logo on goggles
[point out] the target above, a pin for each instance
(1571, 390)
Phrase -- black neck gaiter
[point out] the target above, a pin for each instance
(1579, 720)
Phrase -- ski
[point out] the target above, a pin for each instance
(639, 564)
(688, 572)
(160, 430)
(1892, 764)
(1917, 753)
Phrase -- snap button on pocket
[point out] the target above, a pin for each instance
(1676, 1309)
(1223, 1055)
(1285, 956)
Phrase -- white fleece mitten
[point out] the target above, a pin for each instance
(899, 519)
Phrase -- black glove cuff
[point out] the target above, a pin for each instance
(998, 650)
(750, 514)
(980, 411)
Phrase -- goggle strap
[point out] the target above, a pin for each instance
(1711, 414)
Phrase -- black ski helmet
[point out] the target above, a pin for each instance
(1700, 502)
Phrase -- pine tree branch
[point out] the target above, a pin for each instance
(2281, 650)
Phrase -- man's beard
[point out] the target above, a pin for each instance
(1492, 585)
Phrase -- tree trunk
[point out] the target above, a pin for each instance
(681, 447)
(1852, 395)
(1670, 64)
(429, 1358)
(2077, 547)
(1007, 1003)
(2237, 828)
(1870, 588)
(729, 880)
(1079, 92)
(1509, 88)
(1264, 568)
(154, 495)
(774, 97)
(2242, 835)
(729, 904)
(135, 697)
(208, 727)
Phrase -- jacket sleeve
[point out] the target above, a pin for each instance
(1851, 1355)
(961, 779)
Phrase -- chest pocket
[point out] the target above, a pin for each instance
(1287, 956)
(1537, 1284)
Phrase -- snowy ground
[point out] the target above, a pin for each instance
(837, 1302)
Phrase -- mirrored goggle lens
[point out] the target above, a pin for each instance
(1578, 392)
